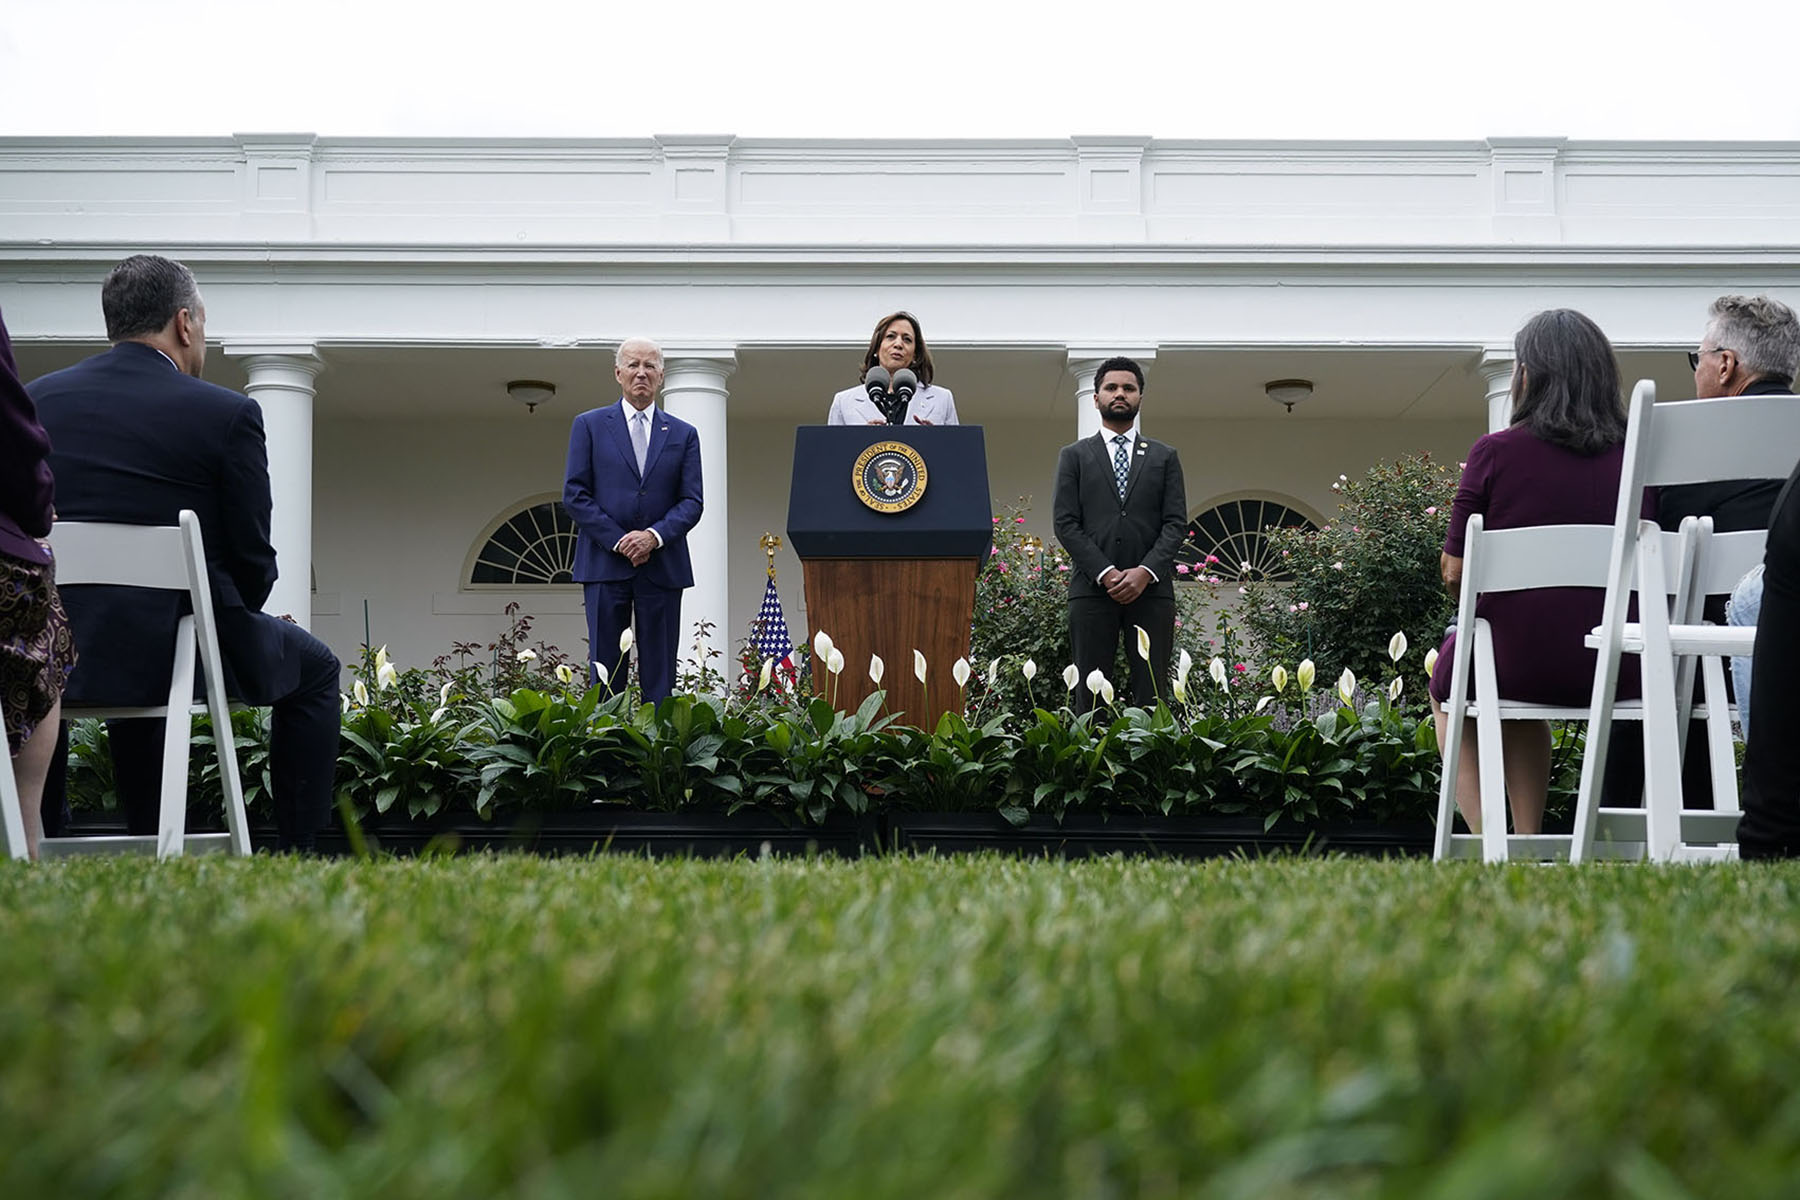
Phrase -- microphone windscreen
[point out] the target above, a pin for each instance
(875, 382)
(905, 382)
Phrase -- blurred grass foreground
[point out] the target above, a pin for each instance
(897, 1027)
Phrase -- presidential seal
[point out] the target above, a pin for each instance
(889, 477)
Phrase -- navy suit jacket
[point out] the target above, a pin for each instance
(136, 441)
(1145, 529)
(608, 499)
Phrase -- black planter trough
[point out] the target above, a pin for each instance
(1085, 835)
(754, 833)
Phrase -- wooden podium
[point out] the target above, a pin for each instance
(890, 582)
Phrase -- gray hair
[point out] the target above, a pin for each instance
(619, 354)
(142, 295)
(1763, 333)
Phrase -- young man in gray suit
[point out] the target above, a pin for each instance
(1121, 513)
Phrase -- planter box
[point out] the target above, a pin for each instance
(1084, 835)
(692, 834)
(714, 834)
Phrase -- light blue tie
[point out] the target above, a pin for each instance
(640, 437)
(1121, 464)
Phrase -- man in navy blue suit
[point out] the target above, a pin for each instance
(137, 436)
(633, 489)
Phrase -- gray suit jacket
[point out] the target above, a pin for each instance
(1100, 530)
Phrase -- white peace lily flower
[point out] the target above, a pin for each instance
(386, 677)
(1071, 676)
(993, 672)
(821, 645)
(343, 702)
(626, 640)
(1216, 668)
(1095, 681)
(360, 692)
(437, 714)
(1106, 690)
(1431, 657)
(1143, 643)
(959, 671)
(1305, 673)
(1263, 703)
(1394, 688)
(762, 676)
(877, 669)
(444, 693)
(1029, 670)
(525, 656)
(1278, 677)
(1397, 646)
(834, 662)
(1181, 688)
(565, 674)
(601, 671)
(381, 658)
(918, 666)
(1346, 685)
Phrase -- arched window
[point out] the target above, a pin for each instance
(1233, 531)
(534, 547)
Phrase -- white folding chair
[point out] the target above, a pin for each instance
(1510, 560)
(1684, 442)
(172, 558)
(10, 818)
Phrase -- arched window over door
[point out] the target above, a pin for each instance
(534, 546)
(1235, 532)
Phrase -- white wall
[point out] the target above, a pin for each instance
(396, 510)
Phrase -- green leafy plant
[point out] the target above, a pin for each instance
(1371, 571)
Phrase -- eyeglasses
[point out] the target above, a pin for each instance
(1694, 356)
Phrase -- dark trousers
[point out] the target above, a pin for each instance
(1096, 626)
(303, 753)
(609, 607)
(1771, 824)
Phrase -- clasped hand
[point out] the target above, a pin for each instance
(1126, 586)
(637, 546)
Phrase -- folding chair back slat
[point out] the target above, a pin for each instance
(146, 556)
(1729, 437)
(1542, 556)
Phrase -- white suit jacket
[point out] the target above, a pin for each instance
(852, 406)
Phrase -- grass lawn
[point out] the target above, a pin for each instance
(900, 1027)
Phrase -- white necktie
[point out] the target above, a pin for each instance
(640, 437)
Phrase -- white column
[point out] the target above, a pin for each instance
(281, 381)
(694, 390)
(1083, 363)
(1497, 370)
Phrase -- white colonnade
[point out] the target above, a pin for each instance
(694, 389)
(281, 381)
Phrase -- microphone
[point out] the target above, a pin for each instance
(876, 384)
(905, 384)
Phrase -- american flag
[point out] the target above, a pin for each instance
(772, 640)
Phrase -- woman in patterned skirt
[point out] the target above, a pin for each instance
(36, 650)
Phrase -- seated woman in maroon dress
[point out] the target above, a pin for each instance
(1557, 464)
(36, 650)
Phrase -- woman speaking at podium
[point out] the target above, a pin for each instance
(896, 387)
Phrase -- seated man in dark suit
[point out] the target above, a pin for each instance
(1751, 347)
(137, 437)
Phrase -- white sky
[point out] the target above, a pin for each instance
(930, 68)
